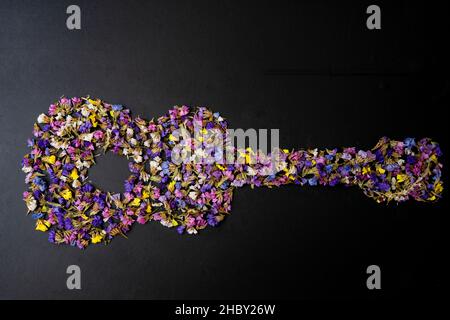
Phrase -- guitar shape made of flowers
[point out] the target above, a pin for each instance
(195, 191)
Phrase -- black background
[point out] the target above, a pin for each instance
(310, 68)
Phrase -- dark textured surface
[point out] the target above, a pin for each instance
(312, 70)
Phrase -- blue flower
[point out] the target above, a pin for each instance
(117, 107)
(391, 167)
(312, 181)
(40, 183)
(37, 215)
(409, 142)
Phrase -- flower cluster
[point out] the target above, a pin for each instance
(191, 195)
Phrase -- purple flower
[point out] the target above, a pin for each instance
(180, 229)
(212, 221)
(383, 186)
(87, 187)
(68, 224)
(129, 186)
(51, 236)
(97, 221)
(411, 159)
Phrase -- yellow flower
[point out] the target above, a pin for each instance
(248, 158)
(136, 202)
(285, 150)
(380, 170)
(401, 177)
(366, 170)
(220, 167)
(42, 225)
(174, 223)
(111, 112)
(93, 120)
(145, 194)
(49, 159)
(171, 186)
(74, 174)
(66, 194)
(84, 216)
(94, 102)
(438, 188)
(432, 198)
(172, 137)
(149, 208)
(97, 238)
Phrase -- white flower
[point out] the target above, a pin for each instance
(154, 165)
(87, 137)
(192, 231)
(76, 184)
(80, 164)
(193, 195)
(32, 204)
(85, 112)
(166, 223)
(251, 171)
(26, 169)
(43, 118)
(155, 137)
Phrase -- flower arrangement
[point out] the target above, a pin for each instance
(188, 196)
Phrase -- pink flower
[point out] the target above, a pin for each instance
(76, 100)
(65, 101)
(98, 135)
(106, 213)
(190, 221)
(141, 220)
(184, 110)
(52, 109)
(126, 220)
(152, 127)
